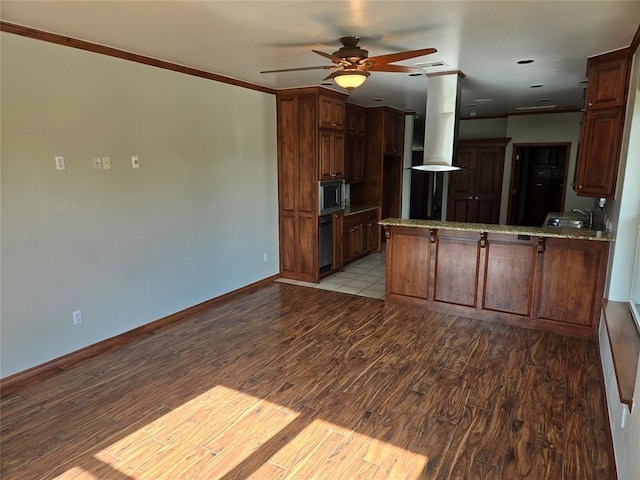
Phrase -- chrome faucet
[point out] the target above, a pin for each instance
(588, 216)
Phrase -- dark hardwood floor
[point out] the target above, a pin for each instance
(294, 382)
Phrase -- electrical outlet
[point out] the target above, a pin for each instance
(97, 163)
(106, 163)
(59, 163)
(77, 317)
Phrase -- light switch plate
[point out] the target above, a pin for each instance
(60, 162)
(135, 162)
(106, 163)
(97, 163)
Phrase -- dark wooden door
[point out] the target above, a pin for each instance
(475, 191)
(538, 182)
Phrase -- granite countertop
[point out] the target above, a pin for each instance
(549, 232)
(355, 209)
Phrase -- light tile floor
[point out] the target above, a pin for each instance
(364, 277)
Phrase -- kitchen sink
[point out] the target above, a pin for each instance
(566, 223)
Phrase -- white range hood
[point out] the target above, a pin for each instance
(441, 122)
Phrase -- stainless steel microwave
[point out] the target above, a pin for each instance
(331, 196)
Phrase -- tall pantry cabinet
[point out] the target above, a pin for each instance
(310, 148)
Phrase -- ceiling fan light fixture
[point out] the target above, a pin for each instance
(350, 79)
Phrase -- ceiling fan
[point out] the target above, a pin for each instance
(353, 64)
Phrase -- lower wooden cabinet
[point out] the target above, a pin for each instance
(509, 274)
(570, 287)
(456, 268)
(549, 283)
(359, 235)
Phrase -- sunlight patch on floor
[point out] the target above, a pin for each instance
(227, 432)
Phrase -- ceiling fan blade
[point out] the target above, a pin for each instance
(393, 68)
(324, 67)
(333, 58)
(396, 57)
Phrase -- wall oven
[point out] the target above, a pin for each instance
(331, 196)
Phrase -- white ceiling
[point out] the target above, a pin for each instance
(484, 39)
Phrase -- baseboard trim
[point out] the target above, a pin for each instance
(21, 380)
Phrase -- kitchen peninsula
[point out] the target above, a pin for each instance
(535, 277)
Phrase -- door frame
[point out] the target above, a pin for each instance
(514, 153)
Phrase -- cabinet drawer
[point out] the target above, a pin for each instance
(370, 217)
(542, 173)
(540, 184)
(351, 221)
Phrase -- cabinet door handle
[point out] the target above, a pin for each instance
(476, 197)
(470, 197)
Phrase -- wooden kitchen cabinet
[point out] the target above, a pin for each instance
(356, 120)
(572, 281)
(393, 132)
(603, 121)
(408, 269)
(509, 276)
(456, 267)
(597, 170)
(332, 112)
(608, 76)
(550, 283)
(331, 155)
(360, 234)
(354, 144)
(303, 146)
(382, 185)
(352, 237)
(370, 231)
(354, 159)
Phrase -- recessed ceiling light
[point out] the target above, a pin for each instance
(524, 62)
(537, 85)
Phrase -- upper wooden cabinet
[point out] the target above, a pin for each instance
(332, 112)
(597, 169)
(331, 155)
(601, 129)
(354, 144)
(383, 147)
(608, 80)
(393, 132)
(355, 124)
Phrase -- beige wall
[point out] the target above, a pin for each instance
(124, 246)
